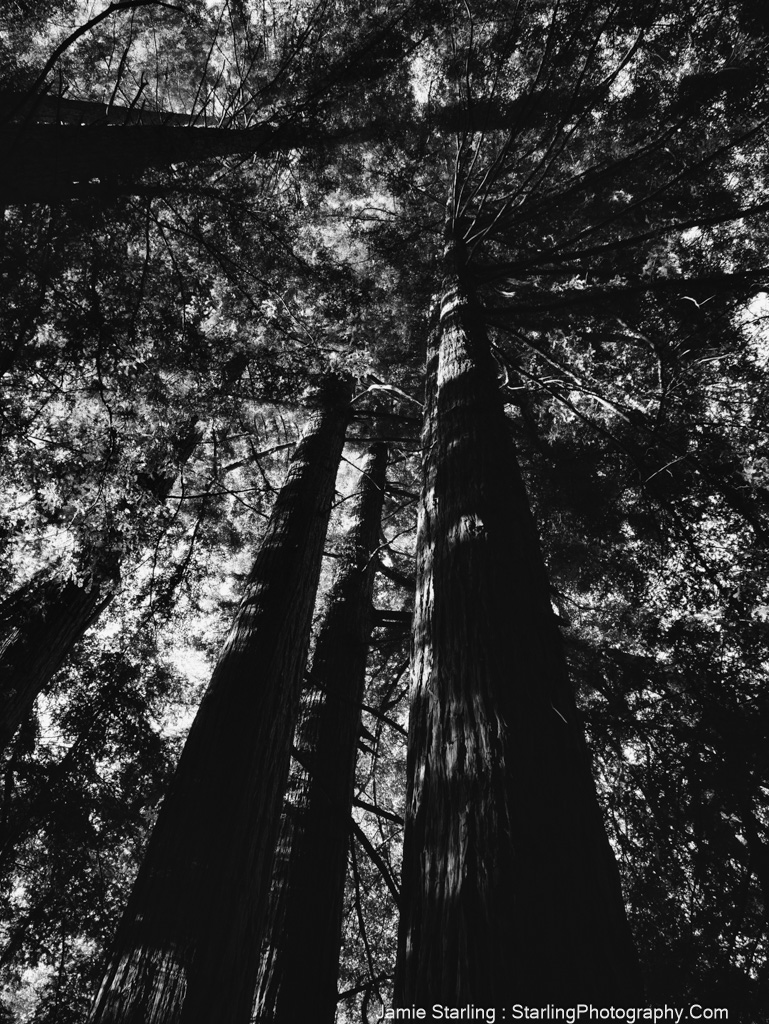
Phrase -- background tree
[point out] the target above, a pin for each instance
(504, 852)
(44, 619)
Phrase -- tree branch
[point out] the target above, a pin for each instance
(379, 811)
(377, 861)
(724, 283)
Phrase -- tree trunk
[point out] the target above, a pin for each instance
(43, 108)
(41, 622)
(187, 949)
(46, 163)
(96, 148)
(510, 893)
(298, 976)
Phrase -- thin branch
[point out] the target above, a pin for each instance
(377, 861)
(379, 811)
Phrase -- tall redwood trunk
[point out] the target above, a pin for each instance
(187, 949)
(49, 162)
(298, 977)
(510, 893)
(42, 621)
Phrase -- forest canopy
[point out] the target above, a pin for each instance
(384, 508)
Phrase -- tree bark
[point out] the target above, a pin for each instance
(187, 949)
(510, 893)
(297, 980)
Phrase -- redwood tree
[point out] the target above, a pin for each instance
(607, 182)
(509, 890)
(50, 162)
(298, 976)
(187, 948)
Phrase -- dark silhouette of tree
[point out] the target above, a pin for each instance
(298, 975)
(41, 623)
(509, 887)
(179, 952)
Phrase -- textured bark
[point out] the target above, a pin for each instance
(40, 624)
(187, 948)
(297, 980)
(509, 892)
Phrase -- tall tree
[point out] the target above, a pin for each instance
(298, 976)
(50, 162)
(509, 889)
(187, 947)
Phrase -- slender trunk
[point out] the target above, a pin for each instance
(43, 620)
(298, 977)
(510, 893)
(187, 949)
